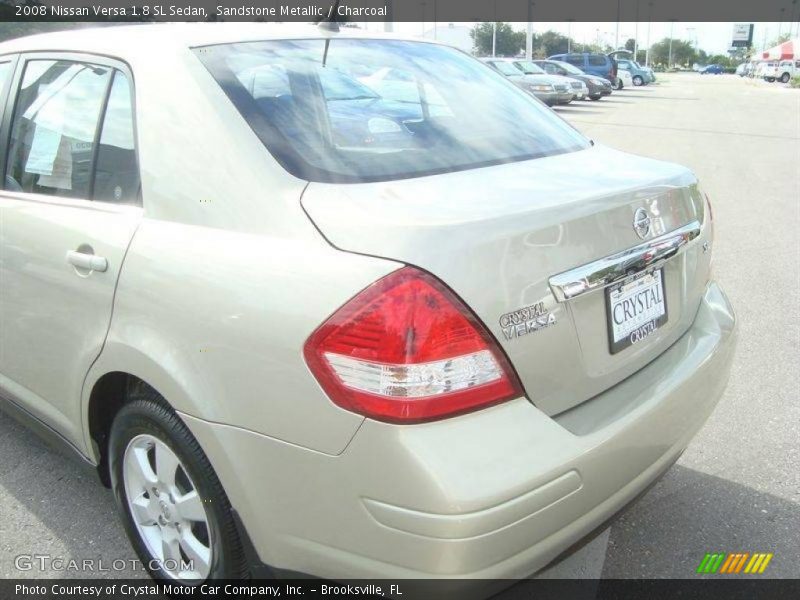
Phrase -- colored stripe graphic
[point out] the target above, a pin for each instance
(711, 562)
(734, 562)
(758, 563)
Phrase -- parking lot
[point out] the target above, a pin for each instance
(737, 487)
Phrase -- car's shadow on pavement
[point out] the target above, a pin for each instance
(50, 506)
(688, 513)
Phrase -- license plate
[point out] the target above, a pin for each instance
(635, 308)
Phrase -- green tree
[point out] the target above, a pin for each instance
(683, 52)
(784, 37)
(507, 43)
(552, 42)
(630, 44)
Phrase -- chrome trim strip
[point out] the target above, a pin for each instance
(611, 269)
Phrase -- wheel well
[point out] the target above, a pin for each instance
(110, 393)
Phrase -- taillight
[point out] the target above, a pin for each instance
(406, 350)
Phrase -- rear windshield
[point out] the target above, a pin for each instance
(506, 68)
(370, 110)
(530, 68)
(569, 68)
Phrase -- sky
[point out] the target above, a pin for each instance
(714, 38)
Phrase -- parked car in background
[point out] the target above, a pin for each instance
(591, 63)
(579, 87)
(712, 70)
(782, 71)
(416, 345)
(624, 79)
(639, 75)
(741, 70)
(550, 89)
(763, 68)
(597, 86)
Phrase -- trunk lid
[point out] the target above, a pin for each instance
(497, 236)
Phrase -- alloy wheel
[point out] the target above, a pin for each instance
(166, 508)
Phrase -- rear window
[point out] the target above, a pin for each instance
(597, 60)
(505, 68)
(370, 110)
(575, 59)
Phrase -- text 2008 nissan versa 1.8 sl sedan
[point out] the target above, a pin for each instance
(342, 304)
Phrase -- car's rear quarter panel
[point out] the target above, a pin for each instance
(226, 277)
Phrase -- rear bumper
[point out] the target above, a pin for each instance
(565, 97)
(549, 98)
(494, 494)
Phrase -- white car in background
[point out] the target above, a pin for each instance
(624, 79)
(765, 67)
(781, 71)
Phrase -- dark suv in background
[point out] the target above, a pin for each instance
(591, 63)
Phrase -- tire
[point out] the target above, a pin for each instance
(595, 98)
(619, 85)
(785, 78)
(194, 517)
(637, 80)
(770, 79)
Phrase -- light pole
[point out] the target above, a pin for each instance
(636, 35)
(649, 20)
(616, 35)
(569, 35)
(529, 33)
(494, 31)
(669, 60)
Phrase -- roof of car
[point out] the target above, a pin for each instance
(124, 38)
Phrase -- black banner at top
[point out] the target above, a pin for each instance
(403, 10)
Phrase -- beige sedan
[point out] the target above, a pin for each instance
(419, 328)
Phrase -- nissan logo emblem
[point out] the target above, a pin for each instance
(641, 222)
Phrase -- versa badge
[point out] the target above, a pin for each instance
(526, 320)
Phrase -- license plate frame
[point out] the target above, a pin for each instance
(646, 327)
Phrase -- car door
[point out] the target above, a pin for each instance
(69, 206)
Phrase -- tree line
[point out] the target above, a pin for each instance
(510, 42)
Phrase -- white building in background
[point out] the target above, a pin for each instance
(452, 35)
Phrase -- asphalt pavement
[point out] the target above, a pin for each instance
(737, 487)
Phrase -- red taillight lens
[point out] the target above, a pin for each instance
(407, 350)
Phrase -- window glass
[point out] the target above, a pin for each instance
(529, 67)
(370, 110)
(117, 173)
(506, 68)
(569, 68)
(54, 127)
(575, 59)
(597, 60)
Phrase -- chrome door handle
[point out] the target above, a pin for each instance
(90, 262)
